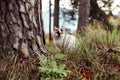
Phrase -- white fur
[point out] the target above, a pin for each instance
(65, 42)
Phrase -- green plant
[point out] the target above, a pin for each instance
(51, 68)
(98, 54)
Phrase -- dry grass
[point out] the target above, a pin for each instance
(97, 58)
(98, 55)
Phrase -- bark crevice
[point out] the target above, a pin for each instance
(21, 27)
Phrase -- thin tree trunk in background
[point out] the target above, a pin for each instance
(21, 27)
(50, 36)
(56, 14)
(84, 8)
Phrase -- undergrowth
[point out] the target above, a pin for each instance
(52, 68)
(97, 58)
(98, 55)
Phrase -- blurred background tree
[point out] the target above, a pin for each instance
(98, 10)
(83, 13)
(56, 13)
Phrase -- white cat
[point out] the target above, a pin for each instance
(64, 42)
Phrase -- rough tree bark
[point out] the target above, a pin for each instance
(84, 8)
(56, 13)
(21, 27)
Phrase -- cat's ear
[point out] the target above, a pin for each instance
(61, 31)
(55, 28)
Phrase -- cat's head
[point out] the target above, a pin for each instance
(58, 32)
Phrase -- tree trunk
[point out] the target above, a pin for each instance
(50, 35)
(21, 27)
(56, 14)
(84, 7)
(98, 14)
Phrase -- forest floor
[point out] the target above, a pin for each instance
(97, 58)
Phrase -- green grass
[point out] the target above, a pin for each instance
(97, 58)
(99, 51)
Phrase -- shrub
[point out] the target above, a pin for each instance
(51, 68)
